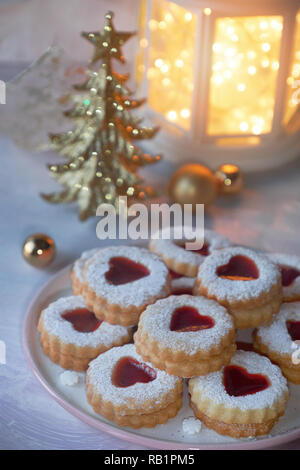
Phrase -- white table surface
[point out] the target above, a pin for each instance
(266, 214)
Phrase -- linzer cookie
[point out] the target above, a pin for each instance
(278, 340)
(125, 389)
(186, 335)
(72, 336)
(248, 284)
(185, 262)
(119, 282)
(79, 265)
(243, 399)
(289, 266)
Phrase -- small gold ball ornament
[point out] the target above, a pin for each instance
(39, 250)
(193, 184)
(229, 179)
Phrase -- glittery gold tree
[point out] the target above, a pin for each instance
(102, 157)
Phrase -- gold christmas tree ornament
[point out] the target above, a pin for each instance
(39, 250)
(193, 184)
(229, 179)
(102, 157)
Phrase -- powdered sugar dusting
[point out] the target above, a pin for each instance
(292, 261)
(100, 372)
(169, 249)
(237, 290)
(276, 335)
(53, 323)
(213, 388)
(79, 264)
(134, 293)
(155, 320)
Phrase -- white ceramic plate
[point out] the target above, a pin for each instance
(167, 436)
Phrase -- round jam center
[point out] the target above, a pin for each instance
(82, 320)
(293, 328)
(288, 275)
(239, 382)
(187, 318)
(239, 268)
(128, 371)
(124, 270)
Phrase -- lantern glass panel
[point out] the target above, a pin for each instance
(171, 61)
(291, 116)
(245, 63)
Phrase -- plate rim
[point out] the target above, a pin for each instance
(120, 433)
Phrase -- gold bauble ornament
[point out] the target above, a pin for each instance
(229, 179)
(39, 250)
(193, 184)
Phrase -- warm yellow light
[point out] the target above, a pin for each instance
(266, 47)
(207, 11)
(185, 113)
(143, 42)
(241, 87)
(171, 55)
(158, 63)
(172, 115)
(252, 70)
(244, 126)
(179, 63)
(245, 57)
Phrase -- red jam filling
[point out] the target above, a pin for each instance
(82, 320)
(239, 268)
(239, 382)
(174, 275)
(288, 275)
(188, 319)
(128, 371)
(123, 270)
(244, 346)
(293, 328)
(204, 251)
(183, 291)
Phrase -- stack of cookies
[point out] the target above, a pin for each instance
(185, 308)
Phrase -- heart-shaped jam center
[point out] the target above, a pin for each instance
(239, 382)
(82, 320)
(174, 275)
(128, 371)
(239, 268)
(293, 328)
(188, 318)
(204, 251)
(123, 270)
(183, 291)
(288, 275)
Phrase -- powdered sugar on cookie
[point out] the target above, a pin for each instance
(54, 324)
(169, 249)
(275, 335)
(231, 290)
(155, 321)
(79, 264)
(134, 293)
(212, 386)
(100, 377)
(291, 261)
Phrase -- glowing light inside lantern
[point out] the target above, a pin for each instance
(245, 63)
(291, 116)
(171, 61)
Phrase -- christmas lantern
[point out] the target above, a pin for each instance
(222, 79)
